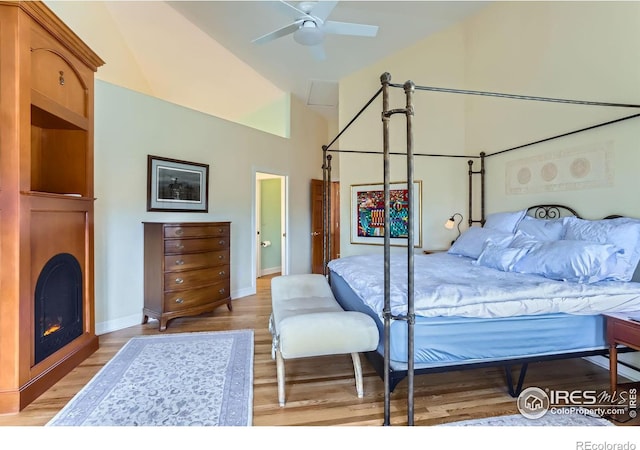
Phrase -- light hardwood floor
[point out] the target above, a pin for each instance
(321, 391)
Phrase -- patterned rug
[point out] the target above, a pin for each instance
(548, 420)
(182, 379)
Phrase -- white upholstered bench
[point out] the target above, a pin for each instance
(306, 320)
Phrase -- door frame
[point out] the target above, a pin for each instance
(259, 174)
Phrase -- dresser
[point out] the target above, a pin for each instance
(186, 269)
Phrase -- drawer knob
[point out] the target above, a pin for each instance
(221, 242)
(220, 256)
(221, 291)
(61, 78)
(179, 300)
(221, 273)
(179, 281)
(179, 232)
(179, 246)
(179, 262)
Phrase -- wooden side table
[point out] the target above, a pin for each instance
(620, 330)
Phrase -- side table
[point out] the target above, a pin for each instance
(620, 330)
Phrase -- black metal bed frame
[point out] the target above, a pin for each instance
(392, 377)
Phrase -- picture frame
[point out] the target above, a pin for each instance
(175, 185)
(367, 213)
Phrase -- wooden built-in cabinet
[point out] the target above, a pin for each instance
(46, 187)
(186, 269)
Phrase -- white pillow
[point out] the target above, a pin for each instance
(622, 233)
(570, 260)
(505, 221)
(498, 257)
(472, 241)
(542, 229)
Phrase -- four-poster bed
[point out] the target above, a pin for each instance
(463, 334)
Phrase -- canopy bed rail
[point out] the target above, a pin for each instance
(391, 376)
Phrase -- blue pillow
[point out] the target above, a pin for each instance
(623, 233)
(570, 260)
(498, 257)
(542, 229)
(472, 241)
(505, 221)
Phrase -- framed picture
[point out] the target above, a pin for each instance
(174, 185)
(367, 213)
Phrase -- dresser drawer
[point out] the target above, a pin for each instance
(196, 231)
(172, 246)
(179, 300)
(189, 261)
(194, 278)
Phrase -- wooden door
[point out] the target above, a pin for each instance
(316, 224)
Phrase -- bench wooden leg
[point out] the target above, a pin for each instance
(357, 368)
(280, 376)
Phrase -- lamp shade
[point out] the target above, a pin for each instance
(449, 224)
(308, 34)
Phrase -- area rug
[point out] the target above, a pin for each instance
(181, 379)
(548, 420)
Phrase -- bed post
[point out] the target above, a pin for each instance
(482, 155)
(327, 225)
(409, 89)
(482, 188)
(385, 79)
(325, 210)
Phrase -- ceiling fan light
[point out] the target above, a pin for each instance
(308, 34)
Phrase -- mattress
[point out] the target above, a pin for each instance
(443, 341)
(451, 285)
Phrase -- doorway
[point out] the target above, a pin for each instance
(270, 224)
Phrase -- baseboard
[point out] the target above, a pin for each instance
(136, 319)
(118, 324)
(623, 370)
(270, 271)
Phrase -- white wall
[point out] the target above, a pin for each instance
(128, 127)
(575, 50)
(151, 48)
(438, 129)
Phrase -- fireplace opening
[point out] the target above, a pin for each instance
(58, 305)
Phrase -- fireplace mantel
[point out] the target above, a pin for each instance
(46, 137)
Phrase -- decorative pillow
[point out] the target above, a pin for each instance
(498, 257)
(623, 233)
(542, 229)
(570, 260)
(523, 240)
(505, 221)
(471, 242)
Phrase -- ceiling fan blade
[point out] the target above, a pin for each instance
(299, 11)
(353, 29)
(322, 9)
(278, 33)
(317, 51)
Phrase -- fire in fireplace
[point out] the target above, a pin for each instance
(58, 305)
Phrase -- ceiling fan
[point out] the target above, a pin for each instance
(311, 26)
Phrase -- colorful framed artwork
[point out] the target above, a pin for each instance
(174, 185)
(367, 213)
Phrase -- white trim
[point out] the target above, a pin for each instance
(623, 370)
(271, 271)
(118, 324)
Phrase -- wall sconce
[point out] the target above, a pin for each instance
(449, 224)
